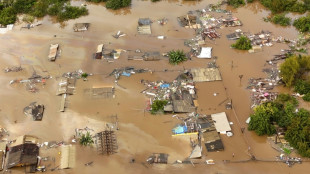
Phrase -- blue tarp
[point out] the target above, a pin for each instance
(179, 129)
(126, 74)
(166, 85)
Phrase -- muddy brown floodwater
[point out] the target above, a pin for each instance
(140, 133)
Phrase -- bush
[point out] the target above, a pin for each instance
(7, 16)
(158, 106)
(284, 98)
(306, 97)
(302, 24)
(117, 4)
(176, 57)
(23, 6)
(302, 87)
(84, 75)
(70, 12)
(243, 43)
(96, 1)
(280, 6)
(281, 20)
(235, 3)
(40, 8)
(28, 19)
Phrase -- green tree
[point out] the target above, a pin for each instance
(23, 6)
(243, 43)
(158, 106)
(302, 87)
(117, 4)
(302, 24)
(7, 16)
(40, 8)
(306, 97)
(262, 118)
(176, 57)
(281, 20)
(288, 70)
(86, 139)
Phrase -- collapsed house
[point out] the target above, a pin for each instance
(189, 21)
(53, 52)
(127, 71)
(78, 27)
(144, 26)
(158, 158)
(35, 110)
(106, 142)
(107, 54)
(23, 152)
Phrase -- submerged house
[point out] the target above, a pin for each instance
(2, 154)
(23, 151)
(35, 110)
(144, 26)
(78, 27)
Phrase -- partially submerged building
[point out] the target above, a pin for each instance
(3, 146)
(78, 27)
(144, 26)
(158, 158)
(205, 74)
(23, 151)
(221, 122)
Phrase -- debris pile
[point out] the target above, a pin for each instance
(13, 69)
(35, 110)
(32, 81)
(127, 71)
(260, 89)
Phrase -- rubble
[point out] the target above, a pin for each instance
(13, 69)
(119, 34)
(127, 71)
(35, 110)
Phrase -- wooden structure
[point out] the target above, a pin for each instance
(158, 158)
(78, 27)
(67, 159)
(205, 74)
(53, 52)
(106, 142)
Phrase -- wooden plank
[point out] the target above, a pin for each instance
(62, 103)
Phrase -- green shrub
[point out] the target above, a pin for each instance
(70, 12)
(158, 106)
(235, 3)
(303, 24)
(176, 57)
(302, 87)
(40, 8)
(243, 43)
(96, 1)
(7, 16)
(306, 97)
(117, 4)
(281, 20)
(23, 6)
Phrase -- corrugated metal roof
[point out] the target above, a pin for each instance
(221, 123)
(206, 74)
(67, 159)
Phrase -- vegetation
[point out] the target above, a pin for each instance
(176, 57)
(302, 24)
(117, 4)
(280, 6)
(84, 75)
(243, 43)
(283, 112)
(61, 9)
(306, 97)
(235, 3)
(281, 20)
(294, 69)
(86, 139)
(158, 106)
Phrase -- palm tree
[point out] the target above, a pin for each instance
(176, 57)
(86, 139)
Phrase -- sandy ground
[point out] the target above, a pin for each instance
(140, 133)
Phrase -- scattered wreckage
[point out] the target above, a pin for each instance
(35, 110)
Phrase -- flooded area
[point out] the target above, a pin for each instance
(140, 133)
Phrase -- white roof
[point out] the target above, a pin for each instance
(67, 159)
(206, 53)
(221, 123)
(99, 48)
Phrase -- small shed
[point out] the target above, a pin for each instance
(78, 27)
(221, 123)
(67, 159)
(205, 53)
(214, 146)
